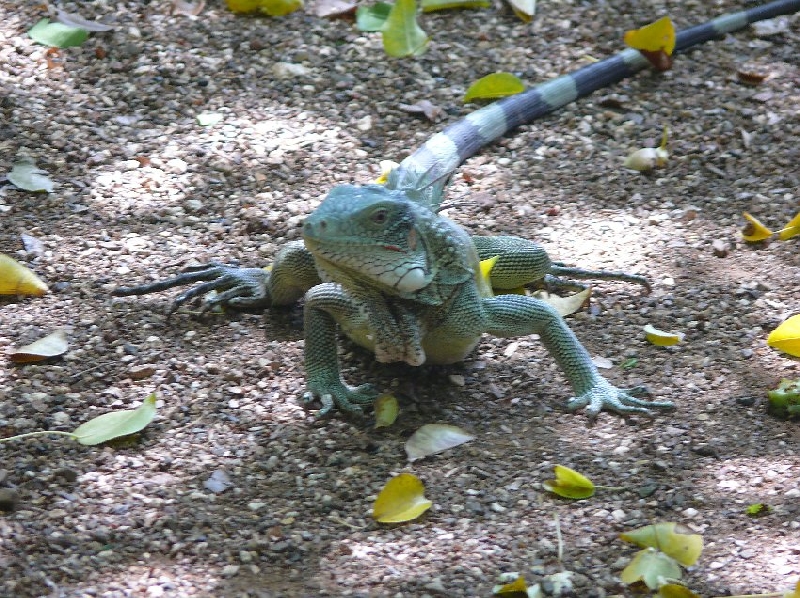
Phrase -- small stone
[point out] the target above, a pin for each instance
(9, 499)
(230, 570)
(720, 248)
(456, 379)
(287, 70)
(141, 372)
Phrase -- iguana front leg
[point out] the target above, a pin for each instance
(325, 306)
(293, 272)
(518, 315)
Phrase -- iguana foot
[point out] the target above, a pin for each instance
(239, 288)
(347, 399)
(605, 396)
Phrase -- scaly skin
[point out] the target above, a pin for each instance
(403, 282)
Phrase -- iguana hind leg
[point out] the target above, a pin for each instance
(518, 315)
(522, 262)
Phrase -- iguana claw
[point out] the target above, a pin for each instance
(347, 399)
(605, 396)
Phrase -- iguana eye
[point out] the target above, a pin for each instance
(379, 216)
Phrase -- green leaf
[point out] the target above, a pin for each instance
(758, 509)
(784, 401)
(57, 35)
(670, 538)
(433, 5)
(25, 175)
(652, 567)
(372, 18)
(496, 85)
(402, 35)
(117, 423)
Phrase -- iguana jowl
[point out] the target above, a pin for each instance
(379, 263)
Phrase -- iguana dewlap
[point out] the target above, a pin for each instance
(379, 264)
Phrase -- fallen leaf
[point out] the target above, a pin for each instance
(565, 305)
(189, 9)
(754, 230)
(524, 9)
(402, 499)
(435, 438)
(517, 586)
(646, 159)
(386, 410)
(52, 345)
(116, 423)
(334, 8)
(660, 338)
(16, 279)
(425, 107)
(604, 363)
(272, 8)
(57, 35)
(652, 567)
(25, 175)
(32, 244)
(402, 36)
(670, 538)
(674, 590)
(657, 36)
(569, 484)
(786, 337)
(758, 509)
(372, 18)
(496, 85)
(218, 482)
(434, 5)
(72, 19)
(792, 229)
(795, 593)
(784, 401)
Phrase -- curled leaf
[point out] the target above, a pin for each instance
(670, 538)
(786, 337)
(386, 410)
(524, 9)
(674, 590)
(116, 423)
(496, 85)
(565, 305)
(16, 279)
(652, 567)
(569, 484)
(754, 230)
(52, 345)
(402, 499)
(661, 338)
(792, 229)
(659, 35)
(512, 588)
(435, 438)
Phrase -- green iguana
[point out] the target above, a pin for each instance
(380, 264)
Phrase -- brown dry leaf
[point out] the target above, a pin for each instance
(16, 279)
(52, 345)
(430, 110)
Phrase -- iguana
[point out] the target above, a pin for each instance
(379, 263)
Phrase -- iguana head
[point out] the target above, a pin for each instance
(374, 235)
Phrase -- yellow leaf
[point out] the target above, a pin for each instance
(386, 410)
(795, 593)
(52, 345)
(496, 85)
(792, 229)
(433, 5)
(661, 338)
(402, 36)
(754, 231)
(569, 484)
(402, 499)
(16, 279)
(518, 586)
(674, 590)
(786, 337)
(657, 36)
(669, 538)
(565, 305)
(273, 8)
(524, 9)
(486, 270)
(387, 166)
(650, 566)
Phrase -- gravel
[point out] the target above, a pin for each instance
(235, 489)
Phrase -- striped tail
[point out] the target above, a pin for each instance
(429, 168)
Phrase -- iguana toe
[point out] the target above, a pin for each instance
(340, 396)
(603, 396)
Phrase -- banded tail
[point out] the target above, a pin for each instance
(429, 168)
